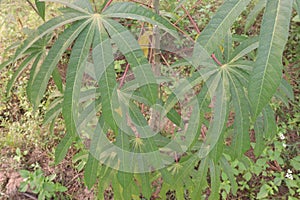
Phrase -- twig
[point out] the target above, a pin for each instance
(191, 19)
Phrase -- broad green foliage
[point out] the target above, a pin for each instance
(266, 76)
(238, 78)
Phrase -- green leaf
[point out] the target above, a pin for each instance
(228, 46)
(241, 139)
(40, 8)
(57, 79)
(46, 28)
(185, 171)
(141, 68)
(266, 75)
(175, 117)
(270, 127)
(220, 112)
(144, 180)
(218, 27)
(134, 11)
(90, 171)
(230, 174)
(105, 73)
(35, 66)
(63, 147)
(259, 136)
(215, 180)
(53, 111)
(285, 92)
(203, 103)
(295, 162)
(263, 192)
(199, 178)
(82, 6)
(75, 72)
(244, 48)
(254, 13)
(125, 179)
(19, 71)
(41, 78)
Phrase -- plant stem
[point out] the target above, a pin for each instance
(191, 20)
(107, 4)
(216, 59)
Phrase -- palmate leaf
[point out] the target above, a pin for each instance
(220, 112)
(243, 49)
(41, 78)
(266, 75)
(135, 57)
(138, 12)
(75, 72)
(218, 27)
(200, 178)
(53, 111)
(241, 139)
(63, 147)
(18, 72)
(230, 174)
(90, 171)
(46, 28)
(105, 73)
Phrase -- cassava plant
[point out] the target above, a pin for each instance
(237, 77)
